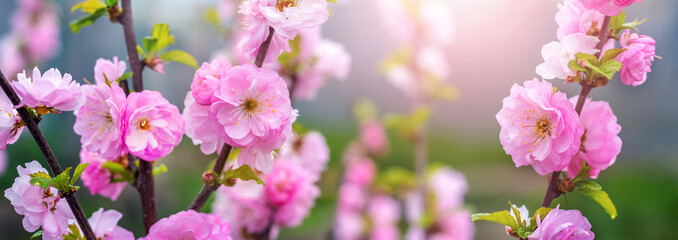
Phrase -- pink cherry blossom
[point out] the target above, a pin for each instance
(572, 17)
(190, 225)
(291, 191)
(11, 59)
(601, 143)
(348, 225)
(557, 55)
(286, 17)
(330, 60)
(9, 120)
(309, 38)
(106, 71)
(243, 206)
(637, 59)
(49, 90)
(198, 127)
(98, 178)
(153, 126)
(608, 7)
(105, 225)
(309, 150)
(539, 127)
(352, 197)
(206, 80)
(449, 187)
(99, 120)
(361, 171)
(563, 224)
(373, 137)
(40, 207)
(384, 212)
(37, 25)
(257, 158)
(406, 21)
(252, 108)
(456, 226)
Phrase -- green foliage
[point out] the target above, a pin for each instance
(364, 110)
(159, 169)
(37, 234)
(78, 24)
(123, 175)
(89, 6)
(78, 171)
(618, 23)
(127, 75)
(74, 233)
(501, 217)
(233, 155)
(41, 179)
(63, 181)
(597, 194)
(111, 3)
(598, 71)
(244, 173)
(541, 214)
(522, 227)
(408, 126)
(180, 57)
(94, 9)
(332, 1)
(396, 178)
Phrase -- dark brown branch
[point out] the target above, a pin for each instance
(51, 159)
(144, 182)
(208, 189)
(263, 49)
(552, 190)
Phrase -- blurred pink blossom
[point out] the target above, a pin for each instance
(190, 225)
(637, 59)
(457, 226)
(97, 178)
(449, 187)
(361, 172)
(608, 7)
(9, 122)
(49, 90)
(198, 126)
(539, 127)
(384, 212)
(243, 206)
(309, 150)
(37, 25)
(291, 192)
(572, 17)
(373, 137)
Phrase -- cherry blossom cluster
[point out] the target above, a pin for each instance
(287, 197)
(542, 128)
(34, 36)
(244, 106)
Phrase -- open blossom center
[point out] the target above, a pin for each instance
(543, 127)
(144, 124)
(282, 4)
(250, 105)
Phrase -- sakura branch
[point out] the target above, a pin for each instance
(50, 158)
(577, 138)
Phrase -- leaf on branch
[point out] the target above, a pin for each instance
(501, 217)
(74, 233)
(180, 57)
(78, 24)
(127, 75)
(632, 25)
(111, 3)
(244, 173)
(161, 33)
(115, 167)
(37, 234)
(541, 214)
(159, 169)
(601, 198)
(61, 181)
(43, 182)
(611, 54)
(78, 170)
(587, 58)
(588, 183)
(233, 155)
(89, 6)
(574, 65)
(396, 179)
(617, 22)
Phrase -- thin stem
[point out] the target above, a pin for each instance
(144, 182)
(47, 152)
(208, 189)
(263, 49)
(552, 190)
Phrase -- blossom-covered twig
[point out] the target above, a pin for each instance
(552, 190)
(48, 154)
(209, 188)
(263, 49)
(144, 181)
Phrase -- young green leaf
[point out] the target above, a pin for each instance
(159, 169)
(141, 51)
(180, 57)
(89, 6)
(78, 170)
(588, 183)
(37, 234)
(111, 3)
(43, 182)
(501, 217)
(601, 198)
(583, 172)
(541, 214)
(74, 233)
(244, 173)
(233, 155)
(574, 65)
(617, 22)
(161, 33)
(610, 54)
(585, 57)
(115, 168)
(78, 24)
(61, 181)
(149, 44)
(632, 25)
(127, 75)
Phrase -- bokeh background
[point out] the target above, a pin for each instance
(497, 43)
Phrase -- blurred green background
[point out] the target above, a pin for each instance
(498, 43)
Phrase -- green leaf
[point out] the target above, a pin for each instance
(611, 67)
(585, 57)
(541, 213)
(111, 3)
(364, 110)
(141, 51)
(610, 54)
(501, 217)
(161, 33)
(212, 16)
(78, 24)
(589, 184)
(43, 182)
(397, 178)
(127, 75)
(115, 168)
(516, 212)
(149, 44)
(574, 65)
(37, 234)
(78, 170)
(159, 169)
(583, 172)
(618, 21)
(244, 173)
(61, 181)
(74, 232)
(233, 155)
(89, 6)
(632, 25)
(180, 57)
(601, 198)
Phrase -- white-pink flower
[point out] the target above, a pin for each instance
(449, 187)
(601, 142)
(572, 17)
(106, 71)
(557, 55)
(291, 192)
(539, 127)
(11, 59)
(99, 120)
(49, 90)
(373, 137)
(190, 225)
(99, 179)
(309, 150)
(153, 126)
(329, 59)
(9, 122)
(257, 158)
(40, 207)
(206, 80)
(455, 226)
(243, 206)
(37, 25)
(252, 108)
(105, 225)
(198, 126)
(384, 213)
